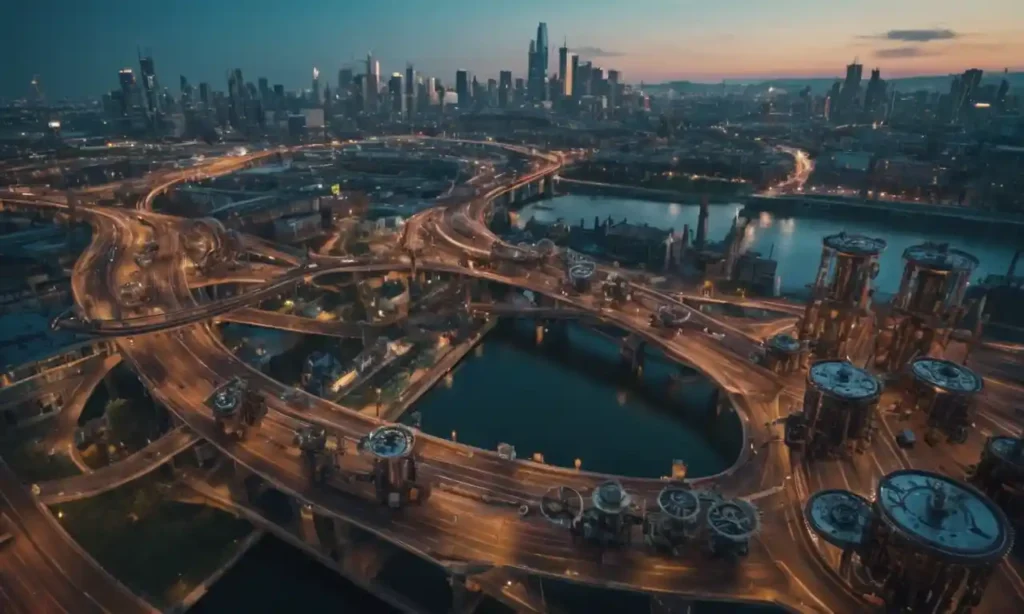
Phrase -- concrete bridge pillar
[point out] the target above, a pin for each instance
(466, 594)
(549, 186)
(306, 525)
(632, 355)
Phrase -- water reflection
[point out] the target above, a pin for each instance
(796, 241)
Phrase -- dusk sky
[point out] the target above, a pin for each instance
(77, 47)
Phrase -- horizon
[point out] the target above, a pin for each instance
(657, 42)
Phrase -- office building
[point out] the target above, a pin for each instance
(462, 89)
(150, 87)
(504, 88)
(344, 88)
(128, 90)
(410, 90)
(314, 90)
(396, 92)
(204, 95)
(538, 77)
(371, 84)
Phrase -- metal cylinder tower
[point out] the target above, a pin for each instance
(929, 303)
(1000, 475)
(933, 542)
(782, 353)
(837, 322)
(395, 468)
(946, 391)
(839, 404)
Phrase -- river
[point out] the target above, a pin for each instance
(572, 399)
(794, 242)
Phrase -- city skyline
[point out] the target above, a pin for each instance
(667, 41)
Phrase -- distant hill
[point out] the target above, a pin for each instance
(820, 85)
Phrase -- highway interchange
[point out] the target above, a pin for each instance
(170, 344)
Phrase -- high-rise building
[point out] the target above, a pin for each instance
(963, 93)
(344, 83)
(433, 96)
(128, 90)
(204, 95)
(850, 92)
(186, 91)
(614, 89)
(396, 91)
(410, 90)
(150, 88)
(504, 88)
(492, 92)
(371, 84)
(567, 63)
(537, 66)
(462, 89)
(874, 94)
(314, 97)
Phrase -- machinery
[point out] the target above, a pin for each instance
(928, 306)
(782, 353)
(946, 392)
(926, 543)
(616, 289)
(839, 405)
(730, 524)
(562, 505)
(838, 322)
(609, 520)
(670, 318)
(678, 521)
(1000, 475)
(581, 272)
(318, 450)
(841, 518)
(394, 469)
(236, 407)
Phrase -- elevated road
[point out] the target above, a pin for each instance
(44, 570)
(293, 323)
(118, 473)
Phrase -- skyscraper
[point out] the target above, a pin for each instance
(874, 95)
(410, 90)
(850, 93)
(432, 95)
(537, 66)
(462, 89)
(563, 69)
(150, 88)
(127, 80)
(344, 83)
(396, 91)
(204, 94)
(315, 88)
(504, 88)
(371, 84)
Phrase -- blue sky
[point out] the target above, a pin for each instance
(77, 47)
